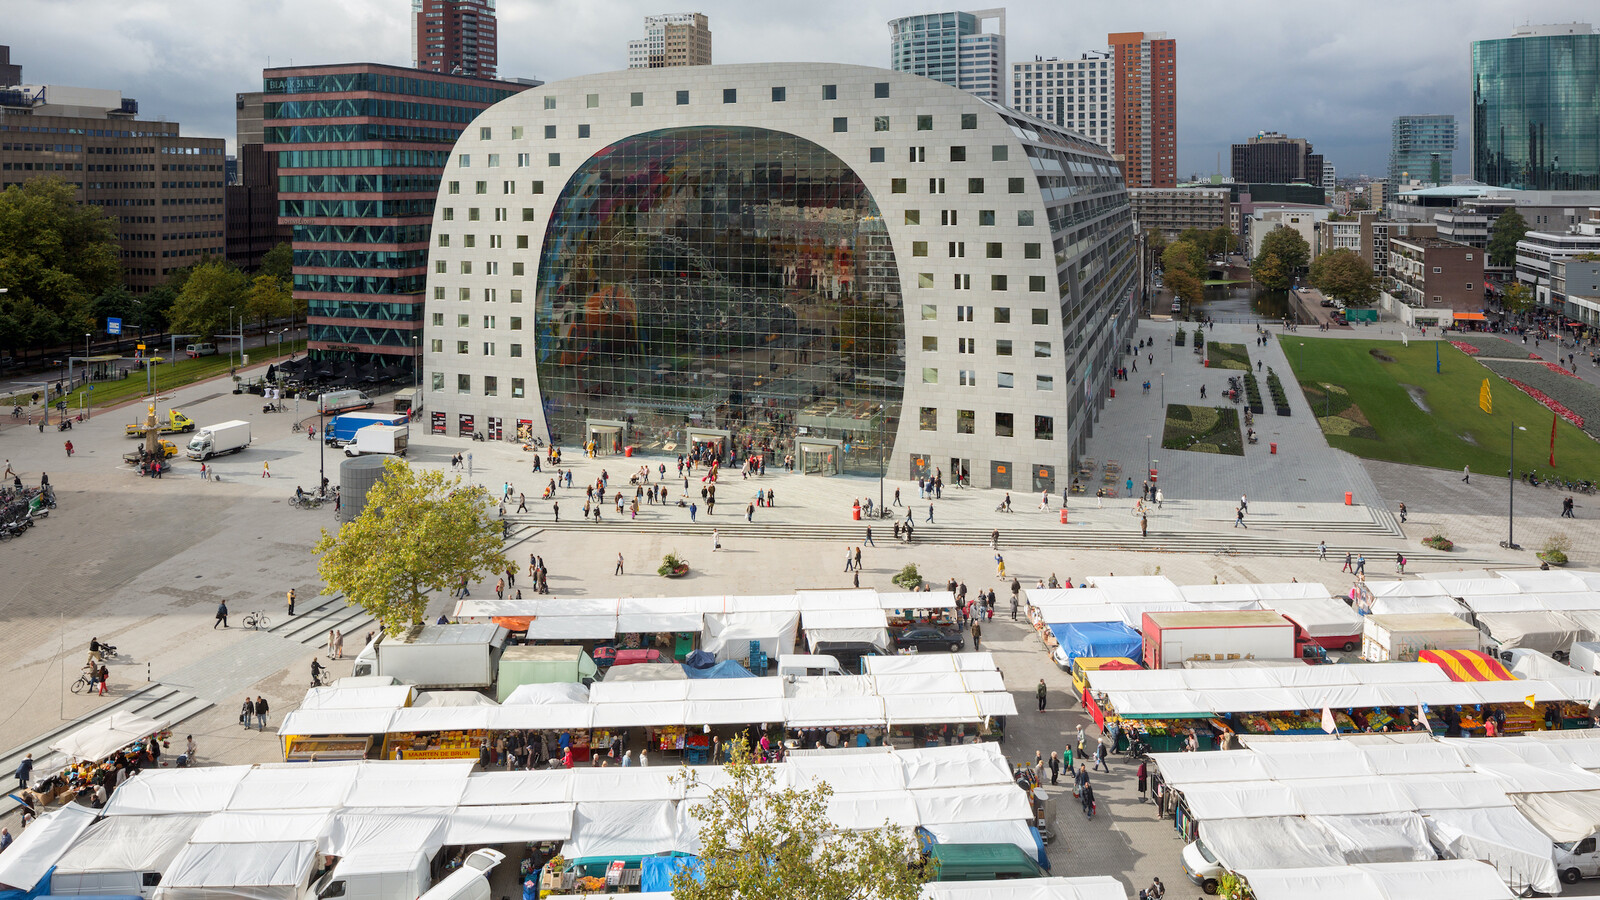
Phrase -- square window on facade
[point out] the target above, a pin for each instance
(522, 242)
(913, 217)
(494, 160)
(583, 131)
(683, 98)
(1002, 315)
(880, 90)
(1016, 185)
(449, 214)
(491, 385)
(462, 347)
(516, 295)
(930, 344)
(974, 185)
(924, 123)
(455, 187)
(841, 124)
(897, 185)
(1024, 217)
(930, 376)
(780, 94)
(466, 268)
(1002, 348)
(444, 241)
(516, 323)
(999, 152)
(1036, 283)
(463, 293)
(993, 250)
(518, 388)
(965, 420)
(985, 217)
(969, 121)
(516, 132)
(1044, 382)
(924, 279)
(919, 248)
(1041, 317)
(1003, 426)
(536, 187)
(929, 312)
(469, 240)
(928, 419)
(1005, 380)
(436, 345)
(436, 380)
(480, 187)
(958, 154)
(555, 160)
(516, 350)
(517, 268)
(488, 349)
(968, 377)
(880, 123)
(438, 318)
(472, 214)
(636, 98)
(1041, 349)
(438, 294)
(549, 132)
(591, 101)
(997, 282)
(528, 214)
(730, 95)
(549, 103)
(830, 92)
(463, 384)
(875, 154)
(464, 160)
(1030, 251)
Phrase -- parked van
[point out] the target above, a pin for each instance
(376, 875)
(808, 664)
(1585, 655)
(471, 881)
(848, 654)
(195, 351)
(982, 862)
(342, 401)
(1577, 860)
(406, 398)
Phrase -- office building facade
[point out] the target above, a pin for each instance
(252, 227)
(1146, 67)
(164, 190)
(359, 150)
(455, 37)
(1076, 94)
(1276, 158)
(1535, 116)
(1421, 148)
(671, 40)
(954, 48)
(1434, 275)
(834, 263)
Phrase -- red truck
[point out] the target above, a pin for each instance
(1173, 638)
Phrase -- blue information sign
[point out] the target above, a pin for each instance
(113, 326)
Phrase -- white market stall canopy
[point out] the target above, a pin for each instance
(1457, 879)
(100, 739)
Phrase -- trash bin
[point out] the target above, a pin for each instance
(1207, 362)
(627, 451)
(1113, 393)
(855, 513)
(1274, 447)
(1063, 515)
(1349, 499)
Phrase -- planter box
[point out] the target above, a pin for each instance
(1257, 409)
(1283, 410)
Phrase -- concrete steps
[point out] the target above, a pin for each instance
(311, 624)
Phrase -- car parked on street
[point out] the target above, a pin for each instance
(927, 637)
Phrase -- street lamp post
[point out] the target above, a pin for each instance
(88, 351)
(1163, 377)
(230, 328)
(881, 416)
(1511, 495)
(1147, 455)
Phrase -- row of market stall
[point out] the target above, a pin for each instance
(723, 625)
(1522, 804)
(269, 830)
(1547, 611)
(902, 701)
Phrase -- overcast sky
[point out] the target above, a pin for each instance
(1334, 73)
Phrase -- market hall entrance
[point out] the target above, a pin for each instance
(706, 444)
(606, 434)
(820, 456)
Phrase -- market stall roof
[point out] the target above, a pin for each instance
(1270, 842)
(1563, 815)
(572, 628)
(1466, 584)
(1137, 588)
(1500, 836)
(830, 712)
(1319, 616)
(41, 844)
(1432, 603)
(1547, 631)
(1552, 581)
(103, 737)
(436, 699)
(1457, 879)
(1097, 887)
(905, 600)
(391, 697)
(506, 824)
(1466, 665)
(623, 828)
(317, 722)
(858, 598)
(263, 826)
(659, 614)
(518, 788)
(913, 709)
(954, 766)
(128, 844)
(591, 785)
(167, 791)
(871, 618)
(929, 662)
(411, 783)
(295, 786)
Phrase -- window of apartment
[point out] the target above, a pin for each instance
(935, 185)
(488, 293)
(518, 268)
(536, 187)
(436, 381)
(449, 215)
(841, 124)
(928, 419)
(492, 267)
(1041, 349)
(966, 346)
(636, 98)
(488, 349)
(516, 132)
(1003, 425)
(830, 92)
(997, 282)
(999, 152)
(463, 320)
(968, 378)
(518, 387)
(583, 131)
(463, 384)
(480, 187)
(591, 101)
(1030, 251)
(438, 318)
(965, 419)
(924, 123)
(993, 250)
(930, 376)
(1041, 317)
(1015, 185)
(1005, 380)
(730, 95)
(929, 312)
(875, 154)
(1044, 428)
(913, 217)
(1437, 270)
(880, 90)
(1002, 348)
(963, 282)
(969, 121)
(438, 292)
(1469, 257)
(1469, 285)
(488, 321)
(528, 214)
(1044, 382)
(455, 187)
(683, 98)
(494, 160)
(974, 185)
(930, 344)
(779, 94)
(958, 249)
(948, 217)
(958, 154)
(472, 214)
(464, 160)
(508, 187)
(462, 347)
(924, 279)
(466, 268)
(516, 295)
(1002, 315)
(880, 123)
(555, 160)
(491, 385)
(919, 154)
(463, 293)
(549, 132)
(897, 185)
(964, 314)
(549, 102)
(985, 217)
(919, 248)
(436, 345)
(1024, 217)
(516, 350)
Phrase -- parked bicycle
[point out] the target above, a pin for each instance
(257, 621)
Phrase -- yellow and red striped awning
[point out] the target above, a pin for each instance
(1467, 665)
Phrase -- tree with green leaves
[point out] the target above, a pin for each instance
(420, 531)
(1517, 298)
(203, 305)
(1288, 246)
(1270, 272)
(1183, 256)
(278, 262)
(760, 842)
(56, 256)
(1344, 274)
(267, 297)
(1156, 240)
(1196, 237)
(1509, 228)
(1186, 285)
(1219, 240)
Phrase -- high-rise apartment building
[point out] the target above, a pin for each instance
(164, 189)
(953, 48)
(252, 226)
(1146, 91)
(10, 72)
(1535, 118)
(1273, 158)
(1422, 148)
(1076, 94)
(454, 37)
(360, 150)
(674, 39)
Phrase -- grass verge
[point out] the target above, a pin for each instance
(1203, 429)
(1229, 356)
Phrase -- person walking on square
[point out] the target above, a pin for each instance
(1144, 779)
(1466, 474)
(1041, 692)
(1361, 564)
(338, 645)
(977, 632)
(1100, 757)
(222, 616)
(994, 539)
(500, 589)
(896, 496)
(261, 713)
(619, 565)
(1144, 526)
(1055, 768)
(930, 513)
(858, 559)
(1347, 565)
(849, 559)
(24, 772)
(1244, 503)
(290, 597)
(1238, 518)
(1322, 549)
(869, 542)
(1160, 497)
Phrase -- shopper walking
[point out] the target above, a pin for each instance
(1322, 549)
(261, 713)
(222, 616)
(1055, 767)
(1041, 692)
(290, 596)
(619, 565)
(849, 559)
(977, 632)
(1144, 776)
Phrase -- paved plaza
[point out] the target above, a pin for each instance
(143, 563)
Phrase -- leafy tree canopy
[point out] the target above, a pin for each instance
(1183, 256)
(210, 290)
(1344, 274)
(1288, 246)
(278, 262)
(56, 257)
(1509, 228)
(1517, 298)
(1270, 272)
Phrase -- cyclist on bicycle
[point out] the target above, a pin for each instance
(316, 673)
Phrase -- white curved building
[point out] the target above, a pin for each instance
(832, 262)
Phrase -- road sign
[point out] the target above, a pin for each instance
(140, 346)
(113, 326)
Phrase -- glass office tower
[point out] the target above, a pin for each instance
(1536, 109)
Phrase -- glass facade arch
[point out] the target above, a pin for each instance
(710, 280)
(1536, 112)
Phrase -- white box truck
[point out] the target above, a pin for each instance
(390, 439)
(438, 656)
(1173, 638)
(215, 440)
(1401, 637)
(377, 874)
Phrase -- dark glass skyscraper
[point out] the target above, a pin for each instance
(1536, 109)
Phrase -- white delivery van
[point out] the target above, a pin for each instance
(1585, 655)
(800, 664)
(215, 440)
(376, 874)
(340, 401)
(471, 881)
(386, 439)
(1577, 860)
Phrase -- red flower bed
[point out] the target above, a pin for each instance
(1551, 404)
(1464, 347)
(1560, 371)
(1534, 356)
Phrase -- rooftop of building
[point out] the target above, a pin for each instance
(1431, 243)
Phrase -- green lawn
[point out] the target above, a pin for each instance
(1229, 356)
(1453, 432)
(1202, 429)
(168, 377)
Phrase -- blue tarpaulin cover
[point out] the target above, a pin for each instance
(728, 668)
(655, 872)
(1098, 639)
(699, 659)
